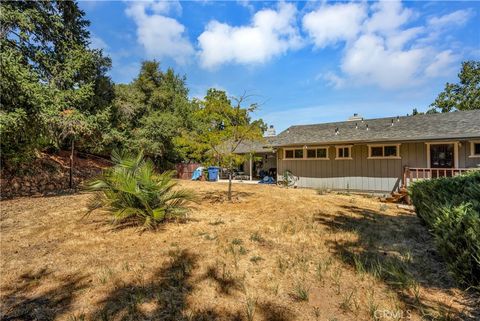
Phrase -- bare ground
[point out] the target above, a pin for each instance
(271, 254)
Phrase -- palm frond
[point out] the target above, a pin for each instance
(131, 189)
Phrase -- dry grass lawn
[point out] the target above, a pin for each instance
(272, 254)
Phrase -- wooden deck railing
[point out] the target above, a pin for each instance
(411, 174)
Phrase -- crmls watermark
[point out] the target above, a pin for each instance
(393, 315)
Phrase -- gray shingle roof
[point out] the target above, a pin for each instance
(259, 146)
(454, 125)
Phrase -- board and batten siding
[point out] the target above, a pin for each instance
(360, 173)
(465, 156)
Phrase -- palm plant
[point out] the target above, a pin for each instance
(131, 190)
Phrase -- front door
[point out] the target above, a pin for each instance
(442, 156)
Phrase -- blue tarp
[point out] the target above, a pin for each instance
(197, 173)
(267, 180)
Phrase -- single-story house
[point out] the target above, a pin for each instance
(374, 155)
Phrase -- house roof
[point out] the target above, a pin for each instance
(259, 146)
(453, 125)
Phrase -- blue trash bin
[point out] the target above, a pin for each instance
(213, 173)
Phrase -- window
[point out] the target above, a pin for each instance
(322, 153)
(475, 149)
(306, 153)
(390, 151)
(293, 153)
(384, 151)
(344, 152)
(317, 153)
(376, 152)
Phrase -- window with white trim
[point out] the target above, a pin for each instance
(383, 151)
(344, 152)
(317, 153)
(296, 153)
(475, 149)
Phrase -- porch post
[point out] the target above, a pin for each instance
(251, 167)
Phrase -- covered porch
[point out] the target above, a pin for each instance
(443, 159)
(260, 165)
(261, 161)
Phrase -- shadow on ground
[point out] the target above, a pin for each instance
(19, 304)
(399, 251)
(162, 298)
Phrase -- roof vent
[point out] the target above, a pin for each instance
(392, 121)
(367, 126)
(355, 117)
(398, 118)
(336, 131)
(270, 132)
(356, 125)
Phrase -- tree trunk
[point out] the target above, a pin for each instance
(71, 165)
(229, 195)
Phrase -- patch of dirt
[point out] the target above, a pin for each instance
(272, 254)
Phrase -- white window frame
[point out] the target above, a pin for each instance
(455, 152)
(472, 149)
(397, 156)
(337, 148)
(305, 149)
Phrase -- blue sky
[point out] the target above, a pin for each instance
(304, 62)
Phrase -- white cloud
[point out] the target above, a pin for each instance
(333, 23)
(382, 49)
(246, 4)
(332, 79)
(387, 17)
(459, 18)
(442, 64)
(370, 61)
(271, 33)
(161, 36)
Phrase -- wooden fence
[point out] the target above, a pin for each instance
(185, 171)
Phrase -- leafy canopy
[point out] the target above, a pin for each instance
(464, 95)
(149, 113)
(46, 69)
(222, 127)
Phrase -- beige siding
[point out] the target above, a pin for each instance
(361, 173)
(469, 161)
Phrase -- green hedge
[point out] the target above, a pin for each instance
(450, 207)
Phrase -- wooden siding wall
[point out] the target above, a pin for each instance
(469, 161)
(361, 173)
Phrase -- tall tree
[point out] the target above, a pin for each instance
(464, 95)
(153, 110)
(47, 68)
(223, 127)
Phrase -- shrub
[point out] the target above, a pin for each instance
(450, 207)
(132, 190)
